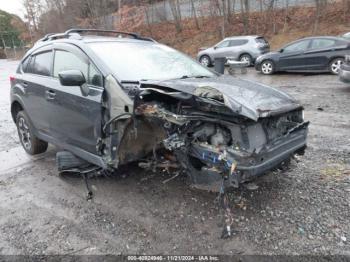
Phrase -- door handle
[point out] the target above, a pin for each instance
(50, 95)
(25, 84)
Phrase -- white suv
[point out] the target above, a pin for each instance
(242, 48)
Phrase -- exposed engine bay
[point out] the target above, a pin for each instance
(211, 140)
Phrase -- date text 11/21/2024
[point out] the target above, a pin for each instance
(173, 258)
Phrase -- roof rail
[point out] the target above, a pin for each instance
(134, 35)
(78, 31)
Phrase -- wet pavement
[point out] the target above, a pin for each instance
(304, 209)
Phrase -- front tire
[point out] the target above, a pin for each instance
(205, 60)
(335, 65)
(267, 67)
(31, 144)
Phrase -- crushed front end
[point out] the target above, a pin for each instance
(216, 131)
(211, 142)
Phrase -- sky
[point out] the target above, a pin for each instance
(13, 7)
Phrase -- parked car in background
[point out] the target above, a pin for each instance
(346, 35)
(312, 54)
(344, 72)
(242, 48)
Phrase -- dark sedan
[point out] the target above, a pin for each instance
(312, 54)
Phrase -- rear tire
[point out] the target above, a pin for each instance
(246, 58)
(31, 144)
(267, 67)
(334, 65)
(205, 60)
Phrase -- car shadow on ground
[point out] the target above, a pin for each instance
(159, 186)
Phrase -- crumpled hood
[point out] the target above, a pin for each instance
(250, 99)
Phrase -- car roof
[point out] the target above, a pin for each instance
(317, 37)
(79, 38)
(82, 41)
(243, 37)
(79, 35)
(322, 37)
(92, 38)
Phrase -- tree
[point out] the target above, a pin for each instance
(320, 5)
(10, 29)
(245, 15)
(286, 18)
(194, 13)
(33, 8)
(346, 8)
(176, 12)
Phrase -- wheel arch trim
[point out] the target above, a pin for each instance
(16, 102)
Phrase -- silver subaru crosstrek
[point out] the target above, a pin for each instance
(242, 48)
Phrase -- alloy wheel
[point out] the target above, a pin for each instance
(24, 133)
(205, 61)
(336, 64)
(267, 68)
(246, 59)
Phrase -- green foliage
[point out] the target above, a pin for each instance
(8, 33)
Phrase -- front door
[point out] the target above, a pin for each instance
(293, 56)
(222, 49)
(76, 120)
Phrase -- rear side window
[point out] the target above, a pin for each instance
(39, 64)
(30, 66)
(261, 40)
(238, 42)
(322, 43)
(24, 64)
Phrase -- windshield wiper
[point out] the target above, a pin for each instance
(199, 76)
(130, 82)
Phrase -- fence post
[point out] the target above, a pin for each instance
(4, 44)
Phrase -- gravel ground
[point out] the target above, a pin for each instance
(304, 209)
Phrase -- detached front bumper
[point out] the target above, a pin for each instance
(240, 166)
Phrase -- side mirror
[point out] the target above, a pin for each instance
(281, 50)
(71, 78)
(74, 78)
(215, 47)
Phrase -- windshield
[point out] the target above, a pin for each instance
(147, 61)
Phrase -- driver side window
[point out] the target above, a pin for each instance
(68, 61)
(300, 46)
(223, 44)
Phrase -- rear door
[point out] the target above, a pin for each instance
(237, 47)
(293, 56)
(319, 53)
(76, 120)
(34, 82)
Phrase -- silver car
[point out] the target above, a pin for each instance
(242, 48)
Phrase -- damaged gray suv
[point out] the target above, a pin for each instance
(113, 100)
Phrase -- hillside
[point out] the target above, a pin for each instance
(12, 31)
(279, 28)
